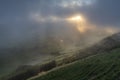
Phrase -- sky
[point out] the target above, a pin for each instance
(27, 18)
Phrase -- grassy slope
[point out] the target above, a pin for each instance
(105, 66)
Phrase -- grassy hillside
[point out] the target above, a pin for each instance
(98, 61)
(105, 66)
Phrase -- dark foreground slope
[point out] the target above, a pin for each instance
(105, 66)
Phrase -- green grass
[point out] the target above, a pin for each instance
(104, 66)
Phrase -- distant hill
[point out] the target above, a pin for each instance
(105, 45)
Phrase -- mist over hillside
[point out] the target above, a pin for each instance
(33, 44)
(34, 31)
(105, 46)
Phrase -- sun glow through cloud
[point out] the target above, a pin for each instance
(76, 18)
(80, 22)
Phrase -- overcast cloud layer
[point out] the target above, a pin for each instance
(17, 16)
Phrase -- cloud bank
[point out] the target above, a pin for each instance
(23, 19)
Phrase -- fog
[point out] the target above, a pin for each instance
(32, 31)
(30, 44)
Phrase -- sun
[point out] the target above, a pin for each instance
(75, 18)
